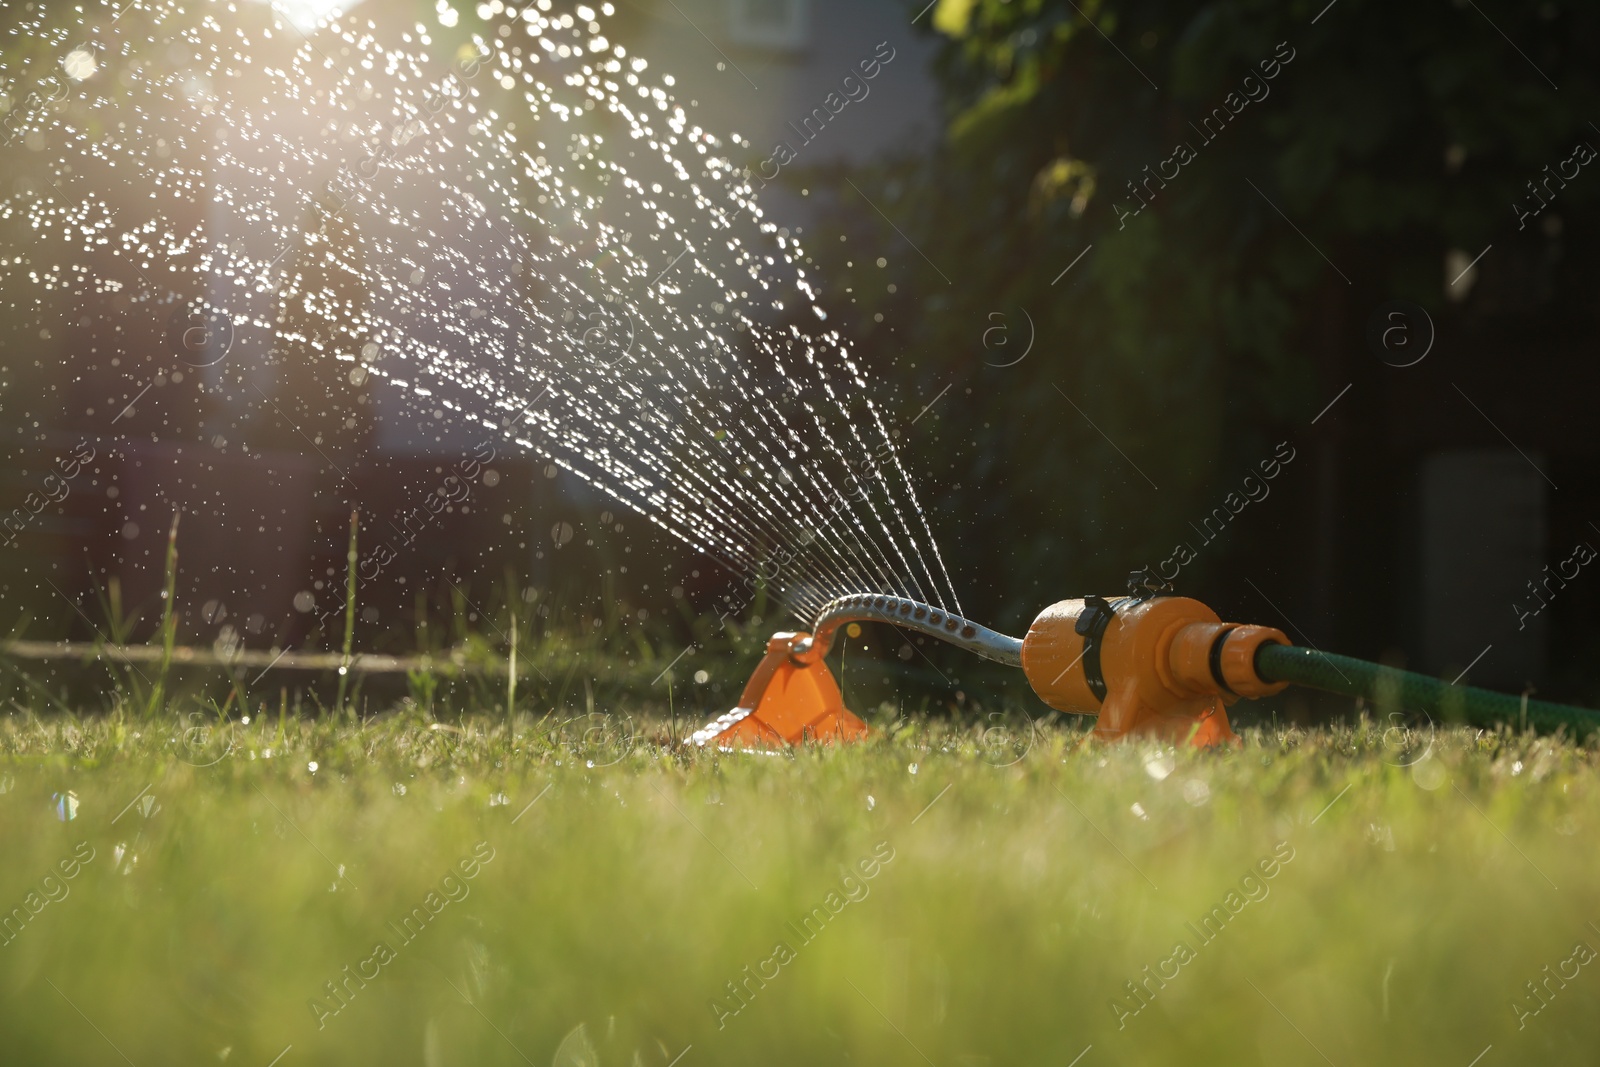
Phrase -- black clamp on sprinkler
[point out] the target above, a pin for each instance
(1091, 626)
(1143, 584)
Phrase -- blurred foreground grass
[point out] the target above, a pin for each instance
(575, 894)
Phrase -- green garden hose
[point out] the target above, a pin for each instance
(1390, 687)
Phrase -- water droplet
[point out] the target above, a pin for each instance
(1428, 773)
(399, 789)
(79, 64)
(66, 805)
(312, 766)
(1160, 765)
(872, 802)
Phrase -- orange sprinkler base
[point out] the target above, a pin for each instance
(791, 698)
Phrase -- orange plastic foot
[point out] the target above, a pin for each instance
(1201, 722)
(787, 701)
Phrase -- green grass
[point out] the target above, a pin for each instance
(1007, 907)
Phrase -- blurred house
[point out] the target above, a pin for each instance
(793, 73)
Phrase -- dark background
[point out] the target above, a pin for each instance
(1165, 365)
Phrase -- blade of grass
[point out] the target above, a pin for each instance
(169, 625)
(120, 627)
(511, 667)
(349, 608)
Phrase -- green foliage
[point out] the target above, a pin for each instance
(1204, 327)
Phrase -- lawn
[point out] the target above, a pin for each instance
(481, 891)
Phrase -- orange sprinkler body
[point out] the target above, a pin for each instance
(1162, 667)
(1146, 665)
(790, 698)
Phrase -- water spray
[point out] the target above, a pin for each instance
(1145, 665)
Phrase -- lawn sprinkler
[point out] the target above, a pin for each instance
(1148, 664)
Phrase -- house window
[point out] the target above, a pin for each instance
(778, 24)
